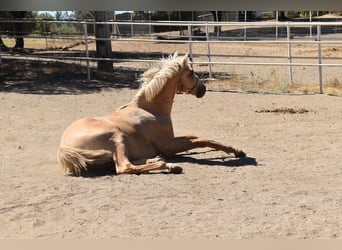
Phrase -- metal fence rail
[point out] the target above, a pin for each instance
(207, 38)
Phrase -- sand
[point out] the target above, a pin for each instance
(289, 186)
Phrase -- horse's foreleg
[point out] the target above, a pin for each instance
(184, 143)
(172, 168)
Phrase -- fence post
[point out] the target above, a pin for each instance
(218, 27)
(289, 53)
(310, 19)
(319, 59)
(131, 24)
(208, 49)
(149, 21)
(245, 29)
(190, 43)
(45, 35)
(276, 23)
(86, 48)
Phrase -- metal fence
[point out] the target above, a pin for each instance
(203, 41)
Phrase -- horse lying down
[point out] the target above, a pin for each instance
(139, 131)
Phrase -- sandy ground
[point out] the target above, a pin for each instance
(289, 186)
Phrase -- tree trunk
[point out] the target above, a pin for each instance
(103, 48)
(19, 30)
(2, 45)
(19, 43)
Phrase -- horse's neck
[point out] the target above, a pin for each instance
(163, 101)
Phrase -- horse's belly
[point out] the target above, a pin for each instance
(140, 148)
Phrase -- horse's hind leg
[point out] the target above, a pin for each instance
(124, 166)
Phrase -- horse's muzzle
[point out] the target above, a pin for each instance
(200, 92)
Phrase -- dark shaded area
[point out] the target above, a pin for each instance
(65, 51)
(108, 168)
(54, 78)
(33, 75)
(284, 110)
(215, 161)
(98, 171)
(139, 55)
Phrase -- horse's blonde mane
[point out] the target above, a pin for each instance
(154, 79)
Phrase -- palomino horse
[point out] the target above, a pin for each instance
(139, 130)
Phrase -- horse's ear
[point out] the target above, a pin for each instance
(175, 54)
(185, 59)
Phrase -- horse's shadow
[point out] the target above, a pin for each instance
(108, 169)
(214, 161)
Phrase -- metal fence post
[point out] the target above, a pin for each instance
(289, 53)
(131, 24)
(245, 29)
(190, 43)
(86, 48)
(310, 19)
(319, 59)
(276, 24)
(208, 49)
(218, 27)
(45, 34)
(149, 21)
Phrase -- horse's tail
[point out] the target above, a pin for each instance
(75, 160)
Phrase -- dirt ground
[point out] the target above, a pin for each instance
(289, 186)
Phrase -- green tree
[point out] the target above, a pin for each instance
(44, 27)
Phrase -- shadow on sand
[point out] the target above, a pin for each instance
(180, 158)
(58, 78)
(229, 161)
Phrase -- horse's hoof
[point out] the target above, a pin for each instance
(240, 154)
(175, 170)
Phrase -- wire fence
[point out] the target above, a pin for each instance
(285, 53)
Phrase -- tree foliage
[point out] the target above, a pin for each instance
(15, 28)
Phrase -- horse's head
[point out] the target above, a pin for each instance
(189, 82)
